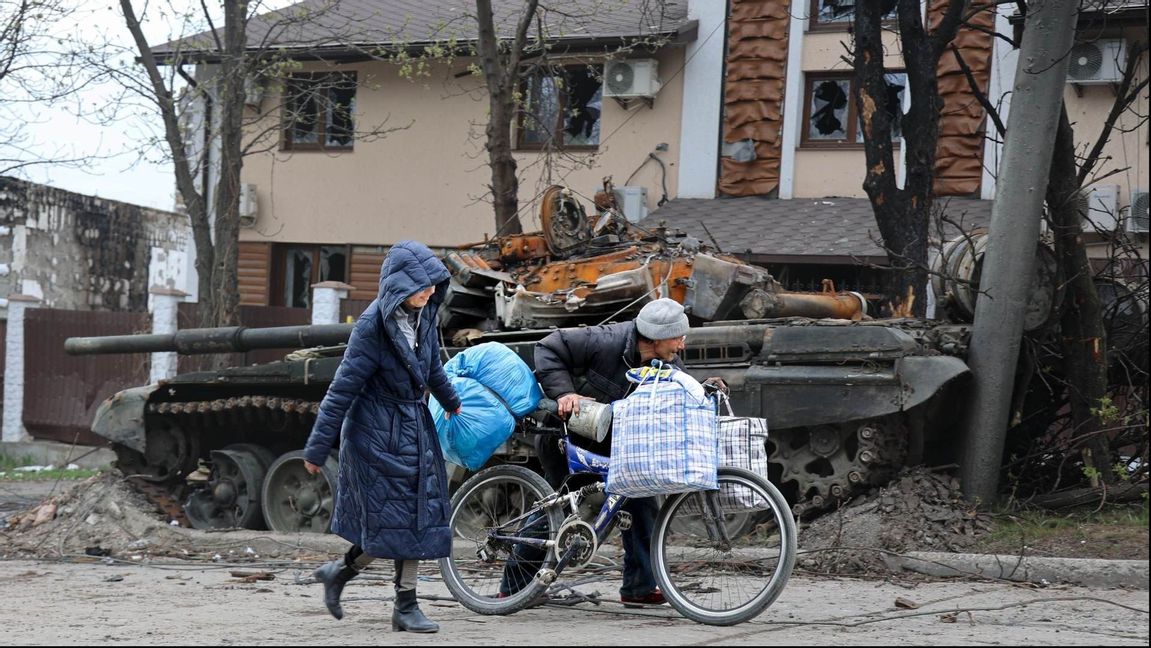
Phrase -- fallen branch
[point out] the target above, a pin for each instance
(1088, 495)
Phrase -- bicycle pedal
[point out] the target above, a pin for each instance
(624, 520)
(546, 576)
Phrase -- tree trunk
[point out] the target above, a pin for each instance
(220, 305)
(195, 204)
(902, 215)
(502, 76)
(1084, 340)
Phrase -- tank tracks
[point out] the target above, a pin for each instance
(176, 432)
(829, 464)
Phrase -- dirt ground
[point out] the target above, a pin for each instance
(920, 511)
(104, 566)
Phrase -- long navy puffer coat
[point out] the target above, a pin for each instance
(392, 497)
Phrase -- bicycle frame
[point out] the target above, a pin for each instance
(581, 462)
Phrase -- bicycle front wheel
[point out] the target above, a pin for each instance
(490, 575)
(728, 571)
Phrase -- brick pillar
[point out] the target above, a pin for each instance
(165, 317)
(13, 425)
(326, 297)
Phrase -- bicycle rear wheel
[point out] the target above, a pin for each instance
(490, 576)
(715, 582)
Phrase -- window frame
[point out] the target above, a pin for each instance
(814, 24)
(277, 271)
(287, 127)
(561, 112)
(850, 141)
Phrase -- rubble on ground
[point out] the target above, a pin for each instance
(106, 518)
(920, 510)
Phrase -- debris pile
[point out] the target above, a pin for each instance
(919, 510)
(99, 516)
(106, 518)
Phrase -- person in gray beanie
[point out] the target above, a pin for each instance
(590, 363)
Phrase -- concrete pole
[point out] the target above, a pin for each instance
(1009, 262)
(13, 422)
(326, 297)
(165, 319)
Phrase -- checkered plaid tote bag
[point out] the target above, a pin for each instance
(742, 444)
(664, 437)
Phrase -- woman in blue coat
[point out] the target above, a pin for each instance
(392, 496)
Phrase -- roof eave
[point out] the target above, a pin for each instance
(679, 37)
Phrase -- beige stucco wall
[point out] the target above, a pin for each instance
(427, 180)
(1126, 152)
(834, 172)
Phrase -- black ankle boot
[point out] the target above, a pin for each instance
(334, 575)
(406, 614)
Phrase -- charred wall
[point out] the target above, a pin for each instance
(81, 252)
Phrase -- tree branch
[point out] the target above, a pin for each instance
(979, 95)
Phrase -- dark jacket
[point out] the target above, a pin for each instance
(392, 497)
(590, 361)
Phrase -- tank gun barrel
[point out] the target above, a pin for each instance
(228, 339)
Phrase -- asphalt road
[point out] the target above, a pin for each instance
(171, 603)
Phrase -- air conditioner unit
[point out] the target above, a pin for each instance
(631, 78)
(1137, 217)
(253, 92)
(1099, 61)
(632, 201)
(1099, 205)
(249, 205)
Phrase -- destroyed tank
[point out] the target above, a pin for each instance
(849, 399)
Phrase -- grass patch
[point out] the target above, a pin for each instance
(9, 464)
(1115, 531)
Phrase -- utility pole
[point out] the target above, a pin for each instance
(1009, 263)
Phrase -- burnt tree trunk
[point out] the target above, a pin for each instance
(500, 63)
(902, 215)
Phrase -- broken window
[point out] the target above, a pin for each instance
(319, 111)
(561, 108)
(830, 113)
(839, 14)
(300, 266)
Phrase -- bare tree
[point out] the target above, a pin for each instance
(902, 214)
(242, 55)
(33, 71)
(500, 62)
(1085, 353)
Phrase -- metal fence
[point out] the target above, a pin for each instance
(62, 392)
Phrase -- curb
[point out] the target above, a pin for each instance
(1090, 572)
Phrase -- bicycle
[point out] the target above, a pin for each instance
(510, 527)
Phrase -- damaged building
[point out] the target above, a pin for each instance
(78, 252)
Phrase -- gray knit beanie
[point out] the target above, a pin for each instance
(662, 319)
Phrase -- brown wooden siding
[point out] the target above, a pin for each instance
(62, 392)
(254, 272)
(364, 272)
(959, 153)
(756, 68)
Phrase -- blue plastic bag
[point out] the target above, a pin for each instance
(495, 387)
(502, 371)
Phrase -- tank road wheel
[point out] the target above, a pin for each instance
(231, 497)
(170, 452)
(831, 463)
(295, 501)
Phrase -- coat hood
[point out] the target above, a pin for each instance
(409, 268)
